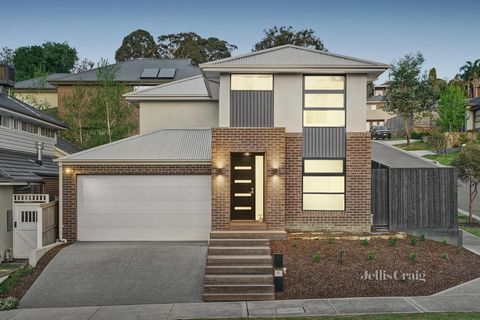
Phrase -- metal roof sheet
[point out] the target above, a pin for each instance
(293, 55)
(37, 83)
(160, 145)
(131, 71)
(10, 103)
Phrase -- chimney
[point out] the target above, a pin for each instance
(7, 78)
(39, 152)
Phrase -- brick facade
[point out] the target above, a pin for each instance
(271, 142)
(356, 217)
(69, 190)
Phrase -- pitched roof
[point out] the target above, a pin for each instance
(474, 102)
(189, 88)
(67, 146)
(163, 145)
(37, 83)
(12, 104)
(131, 71)
(293, 56)
(18, 166)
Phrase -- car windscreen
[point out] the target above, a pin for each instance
(381, 128)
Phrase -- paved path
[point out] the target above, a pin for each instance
(471, 242)
(118, 273)
(422, 153)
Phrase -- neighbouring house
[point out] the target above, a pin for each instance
(28, 175)
(283, 145)
(376, 115)
(135, 74)
(39, 92)
(473, 114)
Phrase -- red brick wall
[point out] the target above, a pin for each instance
(356, 217)
(69, 192)
(271, 142)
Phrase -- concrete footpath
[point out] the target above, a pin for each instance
(463, 298)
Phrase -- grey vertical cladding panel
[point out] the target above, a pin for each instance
(251, 108)
(324, 142)
(380, 197)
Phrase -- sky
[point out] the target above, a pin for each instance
(445, 31)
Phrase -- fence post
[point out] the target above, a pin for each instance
(40, 227)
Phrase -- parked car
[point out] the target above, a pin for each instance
(380, 132)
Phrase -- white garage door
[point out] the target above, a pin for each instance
(135, 208)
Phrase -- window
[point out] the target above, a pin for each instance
(373, 107)
(4, 121)
(16, 124)
(47, 133)
(251, 82)
(324, 101)
(28, 127)
(323, 184)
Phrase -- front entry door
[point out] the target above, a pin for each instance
(242, 186)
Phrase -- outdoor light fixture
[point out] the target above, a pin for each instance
(68, 170)
(275, 171)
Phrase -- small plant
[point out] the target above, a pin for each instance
(445, 256)
(330, 239)
(371, 255)
(8, 303)
(317, 256)
(445, 242)
(422, 237)
(413, 256)
(365, 242)
(392, 241)
(413, 241)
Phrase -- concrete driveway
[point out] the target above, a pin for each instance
(117, 273)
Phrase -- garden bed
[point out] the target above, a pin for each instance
(314, 269)
(20, 281)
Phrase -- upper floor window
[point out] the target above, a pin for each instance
(324, 101)
(47, 132)
(16, 124)
(251, 82)
(28, 127)
(4, 121)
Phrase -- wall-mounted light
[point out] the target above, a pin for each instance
(217, 171)
(275, 171)
(68, 170)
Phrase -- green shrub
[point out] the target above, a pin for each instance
(445, 256)
(317, 256)
(416, 135)
(365, 242)
(422, 237)
(413, 256)
(8, 303)
(330, 239)
(14, 278)
(371, 255)
(413, 241)
(445, 241)
(392, 241)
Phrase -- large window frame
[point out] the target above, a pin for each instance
(325, 174)
(253, 75)
(324, 91)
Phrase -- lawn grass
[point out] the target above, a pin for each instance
(13, 279)
(417, 145)
(414, 316)
(8, 267)
(445, 159)
(463, 224)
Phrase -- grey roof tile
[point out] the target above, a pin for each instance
(35, 82)
(21, 167)
(67, 146)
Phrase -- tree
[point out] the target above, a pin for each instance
(410, 94)
(53, 57)
(6, 56)
(84, 65)
(439, 84)
(40, 82)
(470, 72)
(138, 44)
(468, 170)
(193, 46)
(451, 109)
(279, 36)
(114, 116)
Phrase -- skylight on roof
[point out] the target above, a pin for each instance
(149, 73)
(167, 73)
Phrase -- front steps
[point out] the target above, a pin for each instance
(239, 266)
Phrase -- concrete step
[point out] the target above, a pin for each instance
(210, 297)
(270, 235)
(239, 279)
(239, 288)
(239, 251)
(239, 260)
(247, 226)
(266, 269)
(238, 242)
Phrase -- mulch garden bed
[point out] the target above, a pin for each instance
(328, 277)
(25, 282)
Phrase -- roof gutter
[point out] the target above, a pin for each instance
(131, 162)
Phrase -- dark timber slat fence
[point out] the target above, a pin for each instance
(414, 198)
